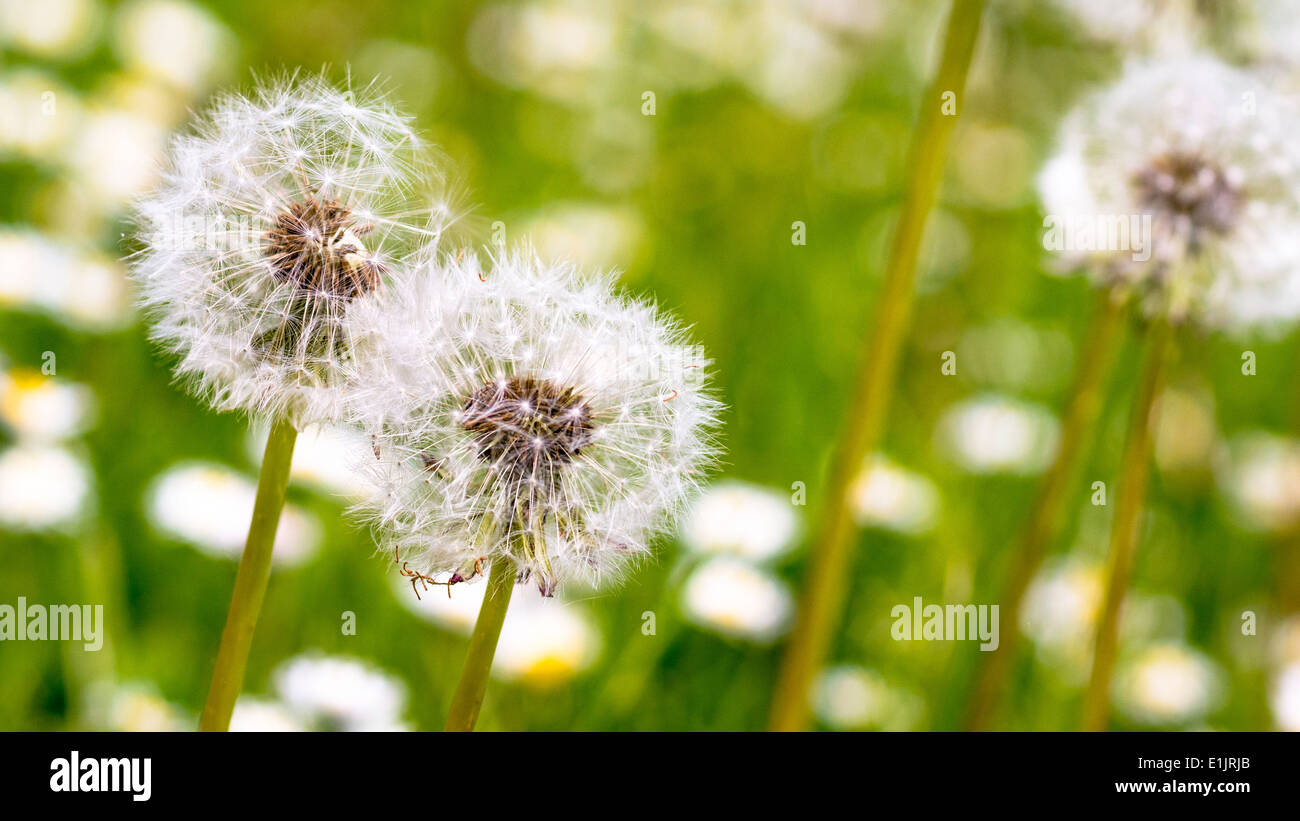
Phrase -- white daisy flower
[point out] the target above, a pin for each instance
(258, 715)
(543, 643)
(276, 213)
(1208, 154)
(1169, 683)
(44, 408)
(1284, 698)
(888, 496)
(208, 506)
(43, 486)
(736, 599)
(1260, 480)
(529, 413)
(341, 693)
(743, 519)
(991, 433)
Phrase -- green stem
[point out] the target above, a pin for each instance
(822, 598)
(1134, 472)
(250, 581)
(1046, 517)
(468, 698)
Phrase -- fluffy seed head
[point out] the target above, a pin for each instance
(1207, 154)
(529, 412)
(278, 211)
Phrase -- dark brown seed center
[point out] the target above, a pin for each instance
(316, 244)
(1190, 190)
(528, 427)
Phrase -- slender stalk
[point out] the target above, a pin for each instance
(822, 598)
(1045, 519)
(1134, 472)
(250, 581)
(468, 698)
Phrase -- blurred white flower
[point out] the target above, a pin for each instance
(46, 408)
(176, 42)
(341, 694)
(527, 411)
(1160, 27)
(1260, 480)
(115, 155)
(891, 497)
(740, 518)
(209, 507)
(330, 457)
(998, 434)
(544, 641)
(554, 48)
(1168, 684)
(42, 486)
(591, 235)
(57, 29)
(853, 698)
(1061, 605)
(279, 212)
(85, 290)
(1284, 698)
(258, 715)
(38, 115)
(1269, 32)
(132, 707)
(1208, 153)
(736, 599)
(1060, 610)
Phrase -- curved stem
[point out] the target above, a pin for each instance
(468, 698)
(250, 581)
(1045, 519)
(1134, 472)
(822, 598)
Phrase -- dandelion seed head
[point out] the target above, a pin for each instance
(278, 210)
(1207, 153)
(521, 414)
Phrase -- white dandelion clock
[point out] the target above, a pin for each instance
(276, 213)
(527, 413)
(1182, 183)
(529, 420)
